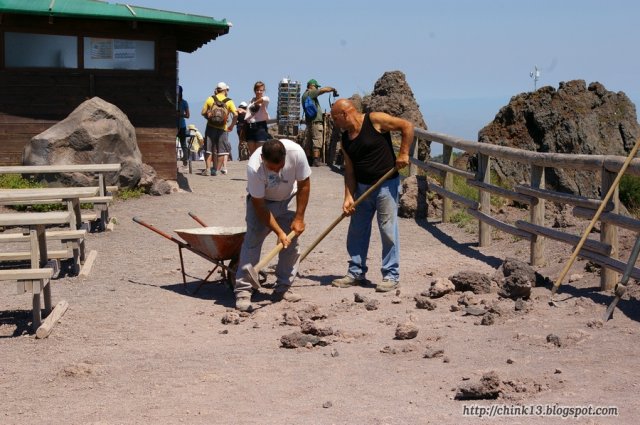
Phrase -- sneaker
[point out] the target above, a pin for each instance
(387, 285)
(213, 172)
(206, 173)
(243, 301)
(347, 282)
(223, 171)
(317, 162)
(287, 295)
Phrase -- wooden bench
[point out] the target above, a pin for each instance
(73, 240)
(36, 281)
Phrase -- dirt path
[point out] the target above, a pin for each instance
(134, 347)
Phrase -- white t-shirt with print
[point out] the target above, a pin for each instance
(264, 183)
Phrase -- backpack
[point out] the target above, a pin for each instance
(309, 107)
(217, 113)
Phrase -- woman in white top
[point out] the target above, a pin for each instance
(256, 118)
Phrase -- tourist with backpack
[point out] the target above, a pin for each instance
(314, 120)
(256, 118)
(216, 111)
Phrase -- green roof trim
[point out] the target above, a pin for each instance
(103, 10)
(192, 30)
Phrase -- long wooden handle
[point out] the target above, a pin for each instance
(595, 218)
(343, 215)
(265, 260)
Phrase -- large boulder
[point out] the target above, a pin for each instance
(574, 119)
(96, 132)
(392, 94)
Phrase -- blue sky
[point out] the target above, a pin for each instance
(463, 59)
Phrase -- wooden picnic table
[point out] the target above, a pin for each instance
(100, 169)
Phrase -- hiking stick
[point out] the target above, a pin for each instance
(595, 218)
(621, 287)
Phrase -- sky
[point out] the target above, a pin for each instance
(463, 59)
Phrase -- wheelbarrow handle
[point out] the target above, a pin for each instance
(196, 218)
(158, 231)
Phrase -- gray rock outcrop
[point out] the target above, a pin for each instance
(96, 132)
(392, 94)
(572, 119)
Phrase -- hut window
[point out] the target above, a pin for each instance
(26, 50)
(110, 53)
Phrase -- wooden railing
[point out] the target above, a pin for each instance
(534, 195)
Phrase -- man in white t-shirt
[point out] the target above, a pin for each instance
(279, 186)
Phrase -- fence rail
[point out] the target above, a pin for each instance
(534, 195)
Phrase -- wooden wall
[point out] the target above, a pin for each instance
(31, 100)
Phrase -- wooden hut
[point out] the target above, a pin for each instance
(55, 54)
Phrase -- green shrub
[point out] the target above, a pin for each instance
(630, 193)
(15, 181)
(126, 193)
(462, 219)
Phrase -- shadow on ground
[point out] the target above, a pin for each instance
(461, 248)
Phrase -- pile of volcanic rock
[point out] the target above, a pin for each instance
(513, 280)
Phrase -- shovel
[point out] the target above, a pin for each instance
(253, 271)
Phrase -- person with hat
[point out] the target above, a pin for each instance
(216, 135)
(198, 141)
(243, 149)
(182, 113)
(315, 124)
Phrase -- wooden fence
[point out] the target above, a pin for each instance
(603, 252)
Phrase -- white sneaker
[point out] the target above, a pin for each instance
(223, 171)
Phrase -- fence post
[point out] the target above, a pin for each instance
(484, 175)
(447, 204)
(609, 232)
(413, 153)
(537, 217)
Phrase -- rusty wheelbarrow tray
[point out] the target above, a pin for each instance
(214, 244)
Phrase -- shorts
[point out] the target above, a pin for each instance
(257, 131)
(212, 138)
(224, 147)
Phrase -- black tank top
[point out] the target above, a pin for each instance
(371, 153)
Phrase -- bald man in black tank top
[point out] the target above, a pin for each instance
(368, 155)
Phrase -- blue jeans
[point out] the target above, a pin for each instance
(384, 202)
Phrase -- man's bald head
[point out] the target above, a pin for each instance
(342, 105)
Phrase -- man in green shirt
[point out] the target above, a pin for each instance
(315, 124)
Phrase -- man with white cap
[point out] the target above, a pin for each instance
(216, 110)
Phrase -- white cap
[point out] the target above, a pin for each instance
(243, 104)
(222, 86)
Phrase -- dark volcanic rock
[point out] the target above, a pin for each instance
(476, 282)
(487, 389)
(573, 119)
(298, 340)
(392, 94)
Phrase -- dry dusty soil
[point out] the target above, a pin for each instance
(136, 346)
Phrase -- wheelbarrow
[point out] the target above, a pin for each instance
(214, 244)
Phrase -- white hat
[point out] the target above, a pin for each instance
(222, 86)
(243, 104)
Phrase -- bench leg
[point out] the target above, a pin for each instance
(47, 296)
(37, 315)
